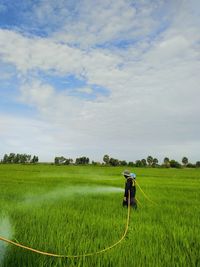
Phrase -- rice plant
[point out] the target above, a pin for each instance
(78, 209)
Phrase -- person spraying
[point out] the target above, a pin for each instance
(130, 185)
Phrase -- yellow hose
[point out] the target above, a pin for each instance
(75, 256)
(146, 195)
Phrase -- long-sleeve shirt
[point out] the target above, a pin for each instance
(130, 185)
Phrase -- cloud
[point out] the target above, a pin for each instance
(143, 79)
(37, 94)
(47, 55)
(103, 22)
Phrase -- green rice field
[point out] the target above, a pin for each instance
(78, 209)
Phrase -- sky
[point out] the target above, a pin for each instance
(96, 77)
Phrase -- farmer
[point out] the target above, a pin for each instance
(130, 185)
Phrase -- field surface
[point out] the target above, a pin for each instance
(78, 209)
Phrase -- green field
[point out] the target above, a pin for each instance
(74, 210)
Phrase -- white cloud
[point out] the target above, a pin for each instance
(154, 84)
(46, 54)
(37, 94)
(91, 22)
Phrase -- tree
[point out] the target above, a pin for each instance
(185, 161)
(23, 158)
(62, 160)
(198, 164)
(34, 159)
(5, 158)
(28, 158)
(68, 161)
(17, 158)
(82, 160)
(59, 160)
(144, 162)
(131, 164)
(56, 160)
(138, 163)
(11, 158)
(190, 165)
(155, 162)
(174, 164)
(150, 160)
(166, 162)
(106, 159)
(114, 162)
(123, 163)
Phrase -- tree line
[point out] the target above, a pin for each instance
(19, 158)
(151, 162)
(110, 161)
(14, 158)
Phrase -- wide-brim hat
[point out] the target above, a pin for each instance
(126, 173)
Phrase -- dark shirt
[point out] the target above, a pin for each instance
(130, 185)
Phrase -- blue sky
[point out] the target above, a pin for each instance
(100, 77)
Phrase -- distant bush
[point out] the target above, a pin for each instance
(198, 164)
(62, 161)
(131, 164)
(96, 163)
(165, 165)
(174, 164)
(190, 165)
(113, 162)
(123, 163)
(82, 161)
